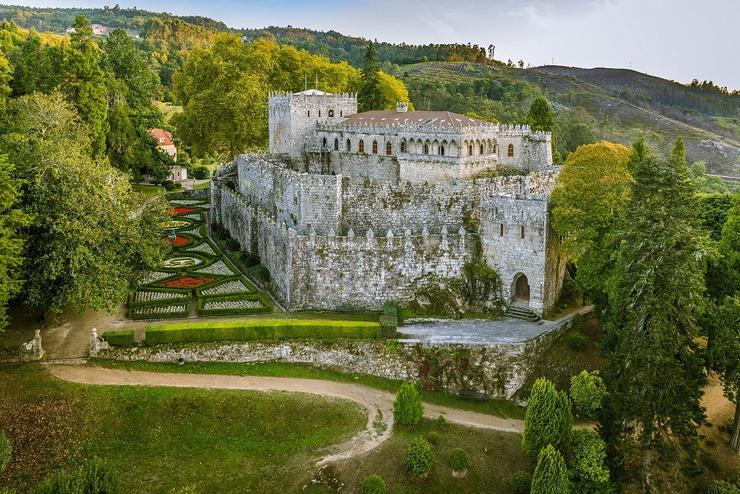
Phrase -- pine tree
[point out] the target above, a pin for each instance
(370, 96)
(550, 475)
(548, 419)
(654, 369)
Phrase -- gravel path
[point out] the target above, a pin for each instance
(379, 404)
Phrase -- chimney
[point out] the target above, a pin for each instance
(402, 107)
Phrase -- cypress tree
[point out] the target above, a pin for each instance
(407, 408)
(547, 420)
(370, 97)
(654, 370)
(550, 475)
(541, 117)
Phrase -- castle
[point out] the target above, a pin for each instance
(351, 210)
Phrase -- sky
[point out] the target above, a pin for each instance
(674, 39)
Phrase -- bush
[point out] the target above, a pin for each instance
(373, 484)
(419, 457)
(521, 482)
(722, 487)
(440, 422)
(200, 172)
(550, 475)
(587, 466)
(577, 342)
(388, 326)
(6, 451)
(407, 408)
(587, 390)
(259, 329)
(547, 420)
(93, 478)
(459, 459)
(390, 309)
(434, 437)
(170, 185)
(119, 338)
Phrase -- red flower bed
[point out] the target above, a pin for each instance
(179, 210)
(179, 241)
(187, 282)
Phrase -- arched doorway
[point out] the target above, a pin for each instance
(520, 292)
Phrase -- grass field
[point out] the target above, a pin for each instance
(148, 189)
(501, 408)
(160, 440)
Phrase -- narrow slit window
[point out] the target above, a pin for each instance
(521, 232)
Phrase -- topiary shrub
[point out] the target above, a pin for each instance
(122, 338)
(434, 437)
(459, 459)
(440, 422)
(587, 390)
(577, 342)
(550, 475)
(419, 457)
(587, 462)
(6, 451)
(95, 477)
(407, 408)
(521, 482)
(373, 484)
(547, 420)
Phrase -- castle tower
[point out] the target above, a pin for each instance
(293, 118)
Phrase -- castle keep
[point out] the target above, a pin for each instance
(350, 210)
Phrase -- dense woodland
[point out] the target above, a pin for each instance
(654, 242)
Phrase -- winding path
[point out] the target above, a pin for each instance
(379, 404)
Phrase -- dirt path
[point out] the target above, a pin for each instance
(379, 404)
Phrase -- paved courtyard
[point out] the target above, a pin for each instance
(474, 331)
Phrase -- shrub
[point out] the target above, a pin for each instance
(419, 457)
(258, 329)
(722, 487)
(440, 422)
(94, 477)
(434, 437)
(6, 450)
(373, 484)
(388, 326)
(521, 482)
(459, 459)
(170, 185)
(587, 390)
(587, 466)
(407, 408)
(119, 338)
(547, 420)
(200, 172)
(390, 309)
(550, 475)
(577, 342)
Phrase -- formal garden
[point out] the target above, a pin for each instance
(196, 278)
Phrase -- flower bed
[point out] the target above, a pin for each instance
(225, 288)
(219, 268)
(152, 295)
(181, 210)
(159, 311)
(153, 277)
(181, 262)
(175, 224)
(180, 241)
(187, 281)
(203, 248)
(234, 304)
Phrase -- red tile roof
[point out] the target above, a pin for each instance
(388, 118)
(163, 137)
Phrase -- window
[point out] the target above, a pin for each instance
(388, 148)
(361, 146)
(403, 146)
(375, 147)
(495, 149)
(336, 144)
(309, 113)
(441, 150)
(331, 113)
(501, 230)
(481, 149)
(470, 150)
(319, 113)
(521, 232)
(426, 148)
(349, 145)
(323, 142)
(340, 113)
(510, 151)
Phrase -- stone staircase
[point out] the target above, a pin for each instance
(521, 313)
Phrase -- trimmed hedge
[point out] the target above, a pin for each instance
(259, 329)
(119, 338)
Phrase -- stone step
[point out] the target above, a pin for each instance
(521, 313)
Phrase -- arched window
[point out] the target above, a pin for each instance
(361, 146)
(426, 148)
(510, 151)
(323, 142)
(495, 149)
(319, 113)
(388, 148)
(375, 147)
(441, 150)
(470, 150)
(349, 145)
(403, 146)
(336, 144)
(501, 230)
(309, 113)
(331, 113)
(481, 148)
(521, 232)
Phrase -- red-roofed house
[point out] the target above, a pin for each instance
(166, 144)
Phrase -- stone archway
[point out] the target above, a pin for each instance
(520, 290)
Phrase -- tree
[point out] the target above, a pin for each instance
(373, 484)
(541, 116)
(587, 463)
(6, 450)
(128, 65)
(654, 369)
(370, 96)
(407, 408)
(419, 457)
(550, 475)
(12, 219)
(587, 391)
(547, 420)
(459, 459)
(591, 190)
(392, 91)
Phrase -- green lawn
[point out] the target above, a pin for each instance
(148, 189)
(159, 440)
(502, 408)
